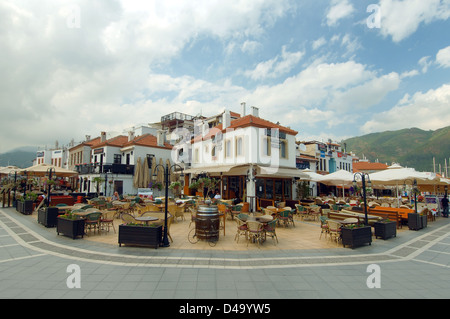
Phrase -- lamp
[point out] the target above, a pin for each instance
(166, 169)
(363, 180)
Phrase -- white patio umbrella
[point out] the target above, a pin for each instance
(339, 178)
(311, 176)
(396, 175)
(42, 170)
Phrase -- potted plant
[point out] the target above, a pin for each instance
(25, 203)
(70, 225)
(356, 235)
(140, 234)
(385, 229)
(47, 216)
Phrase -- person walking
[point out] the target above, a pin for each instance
(445, 206)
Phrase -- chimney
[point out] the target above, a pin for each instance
(130, 136)
(243, 109)
(103, 136)
(255, 111)
(226, 119)
(160, 137)
(88, 138)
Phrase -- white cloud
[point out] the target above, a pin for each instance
(428, 111)
(339, 9)
(318, 43)
(443, 57)
(425, 63)
(78, 81)
(400, 19)
(275, 67)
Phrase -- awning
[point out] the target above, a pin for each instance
(285, 172)
(216, 170)
(262, 171)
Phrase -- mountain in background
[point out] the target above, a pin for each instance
(409, 147)
(21, 157)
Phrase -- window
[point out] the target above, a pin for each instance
(196, 159)
(266, 146)
(283, 149)
(117, 159)
(228, 148)
(239, 146)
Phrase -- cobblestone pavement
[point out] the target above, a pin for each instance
(35, 264)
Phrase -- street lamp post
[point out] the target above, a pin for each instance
(167, 169)
(363, 180)
(49, 172)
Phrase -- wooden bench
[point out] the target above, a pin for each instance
(343, 216)
(387, 214)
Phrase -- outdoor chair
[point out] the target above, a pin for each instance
(255, 232)
(107, 220)
(269, 230)
(92, 221)
(193, 212)
(323, 226)
(285, 216)
(129, 219)
(334, 230)
(241, 229)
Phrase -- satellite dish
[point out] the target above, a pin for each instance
(302, 147)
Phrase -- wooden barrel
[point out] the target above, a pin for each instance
(207, 222)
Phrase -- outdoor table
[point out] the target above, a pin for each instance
(262, 219)
(146, 219)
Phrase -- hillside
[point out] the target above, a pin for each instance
(409, 147)
(19, 158)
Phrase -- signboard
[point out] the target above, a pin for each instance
(98, 151)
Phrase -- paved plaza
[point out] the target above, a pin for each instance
(37, 263)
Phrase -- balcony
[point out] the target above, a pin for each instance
(96, 168)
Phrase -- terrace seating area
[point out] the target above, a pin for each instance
(311, 224)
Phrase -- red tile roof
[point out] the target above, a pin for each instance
(246, 121)
(147, 140)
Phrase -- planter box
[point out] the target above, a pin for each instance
(357, 236)
(424, 221)
(385, 230)
(25, 207)
(47, 216)
(140, 235)
(70, 227)
(415, 221)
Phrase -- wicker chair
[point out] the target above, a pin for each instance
(323, 226)
(269, 230)
(255, 232)
(334, 230)
(92, 221)
(241, 229)
(108, 220)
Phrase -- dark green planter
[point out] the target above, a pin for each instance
(140, 235)
(357, 236)
(70, 227)
(47, 216)
(415, 221)
(385, 230)
(25, 207)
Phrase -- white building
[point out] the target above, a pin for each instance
(253, 157)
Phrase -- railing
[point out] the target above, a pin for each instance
(96, 168)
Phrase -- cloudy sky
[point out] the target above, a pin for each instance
(328, 69)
